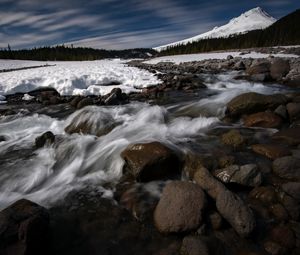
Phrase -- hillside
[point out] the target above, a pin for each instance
(283, 32)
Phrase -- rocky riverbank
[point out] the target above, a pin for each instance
(232, 189)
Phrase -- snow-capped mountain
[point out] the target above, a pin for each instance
(253, 19)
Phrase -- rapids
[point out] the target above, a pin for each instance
(76, 161)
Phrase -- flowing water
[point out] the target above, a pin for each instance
(76, 161)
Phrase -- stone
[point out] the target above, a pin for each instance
(180, 207)
(289, 135)
(151, 161)
(293, 110)
(266, 195)
(229, 205)
(279, 212)
(252, 102)
(271, 151)
(236, 212)
(274, 248)
(263, 119)
(85, 102)
(115, 97)
(215, 220)
(193, 245)
(239, 66)
(259, 68)
(91, 121)
(292, 189)
(291, 205)
(287, 168)
(283, 235)
(279, 68)
(233, 138)
(23, 229)
(281, 111)
(47, 138)
(247, 175)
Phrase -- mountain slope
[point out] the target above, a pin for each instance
(251, 20)
(283, 32)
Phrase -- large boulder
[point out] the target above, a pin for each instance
(253, 102)
(180, 207)
(279, 68)
(263, 119)
(287, 167)
(151, 161)
(290, 136)
(24, 229)
(271, 151)
(259, 70)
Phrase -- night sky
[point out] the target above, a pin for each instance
(117, 24)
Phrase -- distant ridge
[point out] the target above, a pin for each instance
(253, 19)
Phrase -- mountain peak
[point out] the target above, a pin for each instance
(253, 19)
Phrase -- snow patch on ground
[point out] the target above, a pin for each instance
(177, 59)
(74, 78)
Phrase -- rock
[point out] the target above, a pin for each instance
(91, 121)
(229, 57)
(263, 119)
(290, 136)
(247, 175)
(253, 102)
(215, 220)
(151, 161)
(233, 138)
(75, 101)
(287, 167)
(274, 248)
(115, 97)
(45, 139)
(226, 161)
(23, 229)
(202, 245)
(85, 102)
(239, 66)
(293, 110)
(259, 68)
(234, 210)
(279, 68)
(291, 205)
(180, 207)
(284, 236)
(2, 138)
(271, 151)
(229, 205)
(266, 195)
(281, 111)
(279, 212)
(292, 189)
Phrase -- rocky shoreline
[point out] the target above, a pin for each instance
(238, 196)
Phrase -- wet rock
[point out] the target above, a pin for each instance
(234, 210)
(2, 138)
(259, 71)
(293, 110)
(151, 161)
(292, 189)
(287, 167)
(91, 121)
(229, 205)
(233, 138)
(239, 66)
(226, 161)
(279, 212)
(247, 175)
(290, 204)
(266, 195)
(215, 220)
(193, 245)
(75, 101)
(115, 97)
(24, 229)
(253, 102)
(45, 139)
(180, 207)
(290, 136)
(271, 151)
(283, 235)
(281, 111)
(274, 248)
(263, 119)
(85, 102)
(279, 68)
(43, 92)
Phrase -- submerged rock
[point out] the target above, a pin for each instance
(290, 136)
(151, 161)
(271, 151)
(180, 207)
(263, 119)
(233, 138)
(24, 229)
(287, 167)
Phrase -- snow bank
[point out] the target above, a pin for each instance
(74, 78)
(177, 59)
